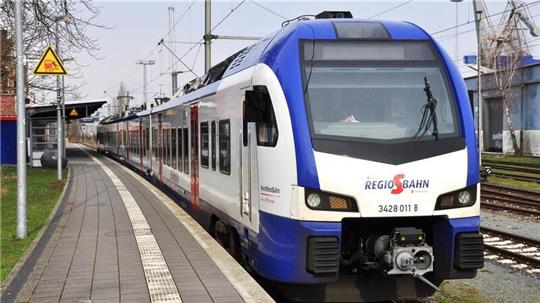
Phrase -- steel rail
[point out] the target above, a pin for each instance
(517, 177)
(531, 194)
(512, 200)
(534, 262)
(528, 165)
(511, 208)
(522, 169)
(506, 235)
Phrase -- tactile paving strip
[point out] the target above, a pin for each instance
(160, 283)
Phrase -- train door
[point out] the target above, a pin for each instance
(129, 142)
(194, 125)
(160, 147)
(141, 144)
(250, 180)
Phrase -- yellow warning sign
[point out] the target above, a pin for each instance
(73, 113)
(50, 64)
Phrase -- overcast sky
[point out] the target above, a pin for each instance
(138, 26)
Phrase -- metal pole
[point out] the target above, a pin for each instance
(479, 78)
(144, 63)
(145, 93)
(21, 126)
(59, 140)
(63, 100)
(207, 36)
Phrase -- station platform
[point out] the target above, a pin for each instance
(120, 239)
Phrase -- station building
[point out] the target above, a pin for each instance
(524, 109)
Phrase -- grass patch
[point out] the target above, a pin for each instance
(43, 193)
(513, 183)
(458, 292)
(511, 158)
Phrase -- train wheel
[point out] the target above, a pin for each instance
(234, 244)
(221, 234)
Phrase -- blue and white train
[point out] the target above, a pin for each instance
(336, 157)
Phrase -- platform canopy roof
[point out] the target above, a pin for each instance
(75, 109)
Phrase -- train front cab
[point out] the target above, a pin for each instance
(311, 255)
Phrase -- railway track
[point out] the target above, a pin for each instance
(527, 165)
(511, 199)
(532, 170)
(511, 249)
(517, 177)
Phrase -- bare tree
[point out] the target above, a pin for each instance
(41, 21)
(506, 59)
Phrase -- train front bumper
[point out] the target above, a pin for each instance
(287, 249)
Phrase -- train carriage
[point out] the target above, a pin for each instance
(336, 157)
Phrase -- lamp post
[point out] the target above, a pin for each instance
(21, 126)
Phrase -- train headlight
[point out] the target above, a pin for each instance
(464, 197)
(460, 198)
(313, 200)
(319, 200)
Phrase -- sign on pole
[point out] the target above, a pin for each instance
(74, 113)
(50, 64)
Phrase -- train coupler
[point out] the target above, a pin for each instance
(405, 252)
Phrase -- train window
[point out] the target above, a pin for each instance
(154, 144)
(204, 144)
(185, 143)
(169, 146)
(225, 146)
(258, 108)
(180, 152)
(146, 141)
(213, 144)
(166, 146)
(174, 148)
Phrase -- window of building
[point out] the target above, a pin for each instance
(225, 146)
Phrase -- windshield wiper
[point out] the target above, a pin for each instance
(429, 116)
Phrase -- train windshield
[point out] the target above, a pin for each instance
(374, 91)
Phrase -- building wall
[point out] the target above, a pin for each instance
(8, 119)
(7, 106)
(524, 110)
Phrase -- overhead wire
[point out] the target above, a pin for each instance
(492, 15)
(269, 10)
(213, 28)
(391, 9)
(155, 48)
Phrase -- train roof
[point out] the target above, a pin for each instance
(264, 50)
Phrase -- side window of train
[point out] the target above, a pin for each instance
(185, 143)
(213, 144)
(146, 140)
(225, 146)
(173, 148)
(204, 144)
(258, 108)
